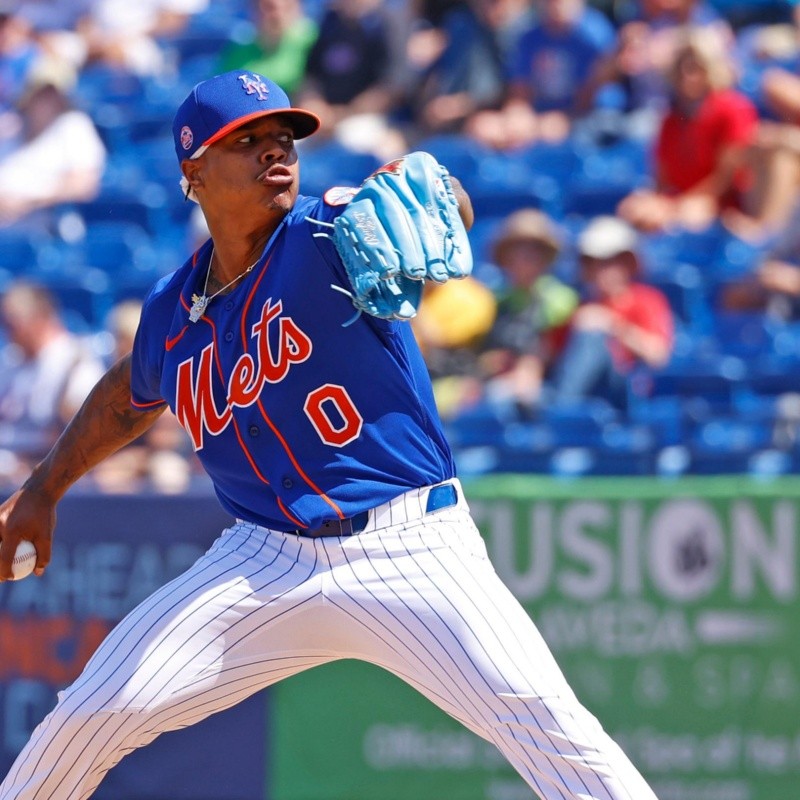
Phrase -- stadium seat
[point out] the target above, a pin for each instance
(117, 248)
(19, 250)
(606, 175)
(82, 295)
(685, 290)
(460, 154)
(484, 424)
(117, 206)
(332, 164)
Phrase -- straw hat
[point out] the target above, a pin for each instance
(526, 225)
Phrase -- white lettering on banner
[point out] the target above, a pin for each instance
(775, 559)
(100, 579)
(595, 576)
(686, 551)
(404, 746)
(703, 790)
(686, 547)
(616, 628)
(745, 681)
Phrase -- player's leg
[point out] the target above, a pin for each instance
(205, 641)
(440, 618)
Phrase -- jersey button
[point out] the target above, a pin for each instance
(229, 305)
(287, 482)
(229, 336)
(253, 430)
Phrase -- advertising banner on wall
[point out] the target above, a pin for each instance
(673, 609)
(110, 553)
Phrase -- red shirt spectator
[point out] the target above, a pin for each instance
(688, 148)
(642, 307)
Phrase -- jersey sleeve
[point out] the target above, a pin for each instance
(146, 361)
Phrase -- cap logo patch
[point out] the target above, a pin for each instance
(252, 84)
(187, 137)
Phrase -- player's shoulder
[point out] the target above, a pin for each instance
(164, 295)
(309, 209)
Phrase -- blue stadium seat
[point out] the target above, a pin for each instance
(19, 250)
(484, 424)
(99, 84)
(117, 248)
(82, 295)
(327, 164)
(115, 207)
(748, 336)
(684, 288)
(606, 175)
(579, 424)
(727, 444)
(664, 418)
(461, 155)
(714, 381)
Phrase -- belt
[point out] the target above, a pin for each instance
(442, 496)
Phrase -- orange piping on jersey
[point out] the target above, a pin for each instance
(264, 414)
(170, 343)
(143, 406)
(233, 419)
(288, 514)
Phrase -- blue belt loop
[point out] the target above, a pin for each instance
(442, 496)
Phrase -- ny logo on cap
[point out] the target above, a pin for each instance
(252, 84)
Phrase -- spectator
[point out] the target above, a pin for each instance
(774, 286)
(162, 459)
(55, 27)
(18, 54)
(47, 373)
(283, 38)
(633, 78)
(58, 156)
(532, 310)
(468, 73)
(349, 78)
(701, 146)
(550, 65)
(125, 35)
(620, 324)
(774, 157)
(452, 322)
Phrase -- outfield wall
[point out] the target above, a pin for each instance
(672, 607)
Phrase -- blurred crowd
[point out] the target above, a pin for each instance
(682, 118)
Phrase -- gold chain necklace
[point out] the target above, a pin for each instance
(200, 301)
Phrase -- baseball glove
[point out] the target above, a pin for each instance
(400, 229)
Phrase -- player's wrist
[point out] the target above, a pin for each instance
(42, 483)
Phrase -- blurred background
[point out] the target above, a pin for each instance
(620, 377)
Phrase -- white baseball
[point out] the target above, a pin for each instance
(24, 560)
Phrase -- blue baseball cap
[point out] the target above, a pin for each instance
(219, 105)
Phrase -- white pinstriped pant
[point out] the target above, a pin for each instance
(413, 593)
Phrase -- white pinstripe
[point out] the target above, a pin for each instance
(415, 596)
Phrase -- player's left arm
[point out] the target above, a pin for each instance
(465, 210)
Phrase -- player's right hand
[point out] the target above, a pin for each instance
(27, 514)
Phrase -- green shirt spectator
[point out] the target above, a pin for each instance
(283, 38)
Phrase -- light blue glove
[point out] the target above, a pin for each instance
(401, 228)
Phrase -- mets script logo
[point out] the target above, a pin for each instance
(253, 84)
(195, 406)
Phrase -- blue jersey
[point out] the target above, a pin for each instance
(296, 418)
(555, 64)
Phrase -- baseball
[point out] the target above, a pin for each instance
(24, 560)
